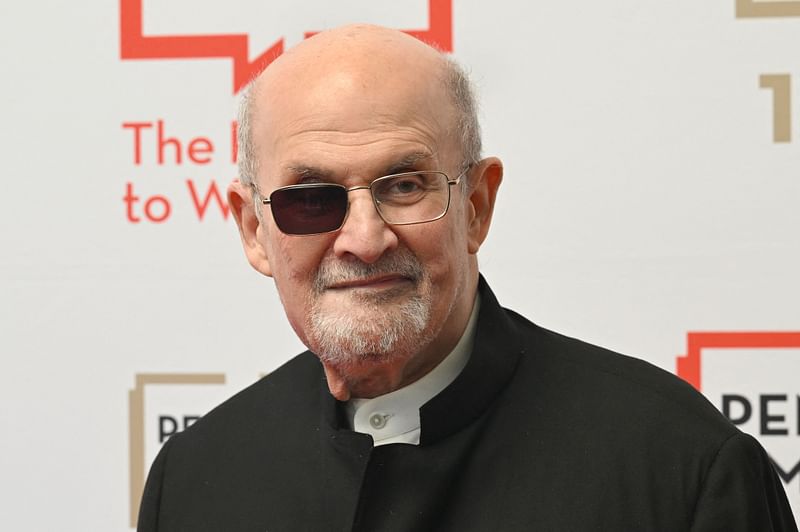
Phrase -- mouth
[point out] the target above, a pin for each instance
(380, 282)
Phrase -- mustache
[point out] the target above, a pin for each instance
(400, 262)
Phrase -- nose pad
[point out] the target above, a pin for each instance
(364, 234)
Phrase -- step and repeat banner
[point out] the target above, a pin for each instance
(651, 204)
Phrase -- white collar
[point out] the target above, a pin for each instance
(394, 417)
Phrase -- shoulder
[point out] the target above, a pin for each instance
(614, 386)
(611, 422)
(269, 430)
(281, 400)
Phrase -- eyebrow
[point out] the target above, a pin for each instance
(408, 162)
(303, 172)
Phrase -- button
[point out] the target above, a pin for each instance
(378, 421)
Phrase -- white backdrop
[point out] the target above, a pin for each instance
(651, 192)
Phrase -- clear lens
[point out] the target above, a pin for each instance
(411, 197)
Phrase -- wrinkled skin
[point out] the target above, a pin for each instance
(348, 106)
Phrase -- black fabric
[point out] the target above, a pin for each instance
(539, 432)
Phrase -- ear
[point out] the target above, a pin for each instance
(485, 179)
(240, 201)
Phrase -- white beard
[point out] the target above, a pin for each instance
(377, 334)
(383, 326)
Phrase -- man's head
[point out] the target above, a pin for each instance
(380, 304)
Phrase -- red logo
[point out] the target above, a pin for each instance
(689, 365)
(135, 45)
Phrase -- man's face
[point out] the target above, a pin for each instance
(370, 291)
(380, 304)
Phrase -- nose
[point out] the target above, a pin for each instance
(364, 234)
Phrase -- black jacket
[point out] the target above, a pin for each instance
(539, 432)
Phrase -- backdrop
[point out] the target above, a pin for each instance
(650, 205)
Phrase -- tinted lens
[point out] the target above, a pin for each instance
(308, 210)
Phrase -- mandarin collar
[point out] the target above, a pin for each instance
(394, 417)
(495, 353)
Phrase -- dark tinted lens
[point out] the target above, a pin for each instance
(308, 210)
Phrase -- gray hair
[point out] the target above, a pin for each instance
(246, 157)
(462, 93)
(457, 84)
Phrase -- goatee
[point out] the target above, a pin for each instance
(387, 323)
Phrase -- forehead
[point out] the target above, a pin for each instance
(395, 162)
(365, 153)
(353, 116)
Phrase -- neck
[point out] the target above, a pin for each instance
(370, 380)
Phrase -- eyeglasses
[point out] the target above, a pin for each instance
(401, 199)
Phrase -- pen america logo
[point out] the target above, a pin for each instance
(236, 47)
(751, 377)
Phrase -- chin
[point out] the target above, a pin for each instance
(375, 335)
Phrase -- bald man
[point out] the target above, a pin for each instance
(421, 403)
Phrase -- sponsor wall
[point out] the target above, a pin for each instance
(650, 205)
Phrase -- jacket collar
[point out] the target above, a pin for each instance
(495, 354)
(494, 357)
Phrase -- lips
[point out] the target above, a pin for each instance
(381, 281)
(396, 269)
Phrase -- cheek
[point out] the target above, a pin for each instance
(294, 262)
(442, 249)
(295, 259)
(453, 258)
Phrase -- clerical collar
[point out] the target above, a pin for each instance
(394, 417)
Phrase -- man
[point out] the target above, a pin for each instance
(421, 403)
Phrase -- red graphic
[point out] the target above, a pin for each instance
(135, 45)
(688, 366)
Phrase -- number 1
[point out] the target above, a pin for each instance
(781, 85)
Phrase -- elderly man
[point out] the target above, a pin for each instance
(421, 403)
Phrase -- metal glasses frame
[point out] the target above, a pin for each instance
(450, 182)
